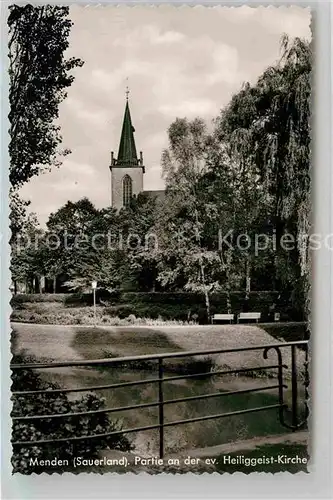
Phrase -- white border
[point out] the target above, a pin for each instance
(318, 483)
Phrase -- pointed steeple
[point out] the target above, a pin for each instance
(127, 151)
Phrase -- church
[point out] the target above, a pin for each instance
(127, 170)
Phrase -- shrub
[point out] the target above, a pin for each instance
(34, 430)
(79, 299)
(122, 311)
(87, 298)
(184, 306)
(20, 298)
(178, 305)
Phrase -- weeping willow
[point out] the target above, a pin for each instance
(268, 127)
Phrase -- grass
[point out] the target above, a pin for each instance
(101, 343)
(129, 339)
(268, 452)
(55, 313)
(77, 342)
(235, 336)
(289, 332)
(133, 341)
(126, 338)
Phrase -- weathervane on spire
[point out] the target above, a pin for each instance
(127, 90)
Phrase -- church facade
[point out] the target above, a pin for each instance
(127, 170)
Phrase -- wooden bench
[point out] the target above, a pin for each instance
(223, 317)
(249, 315)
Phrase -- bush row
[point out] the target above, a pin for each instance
(180, 306)
(185, 306)
(20, 298)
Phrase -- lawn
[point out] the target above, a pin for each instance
(57, 313)
(57, 342)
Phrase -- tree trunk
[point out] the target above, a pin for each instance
(207, 302)
(228, 291)
(274, 277)
(202, 269)
(206, 294)
(247, 277)
(54, 284)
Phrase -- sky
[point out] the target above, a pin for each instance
(177, 62)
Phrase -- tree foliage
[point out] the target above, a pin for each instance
(39, 75)
(268, 126)
(184, 253)
(249, 176)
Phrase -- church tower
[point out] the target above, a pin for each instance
(127, 169)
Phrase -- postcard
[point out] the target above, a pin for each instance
(161, 241)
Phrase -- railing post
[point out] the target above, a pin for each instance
(161, 406)
(294, 396)
(306, 380)
(280, 380)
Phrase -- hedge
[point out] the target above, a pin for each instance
(20, 298)
(173, 305)
(184, 306)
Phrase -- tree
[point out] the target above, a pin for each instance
(183, 253)
(18, 213)
(39, 75)
(233, 196)
(69, 233)
(85, 246)
(137, 223)
(268, 126)
(28, 253)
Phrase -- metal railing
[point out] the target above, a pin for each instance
(281, 406)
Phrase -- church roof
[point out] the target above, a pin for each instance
(127, 150)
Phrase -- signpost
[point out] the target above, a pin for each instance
(276, 316)
(94, 286)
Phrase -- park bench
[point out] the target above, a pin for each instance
(223, 317)
(249, 315)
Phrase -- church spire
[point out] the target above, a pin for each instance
(127, 151)
(127, 170)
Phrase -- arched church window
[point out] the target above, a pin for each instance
(127, 190)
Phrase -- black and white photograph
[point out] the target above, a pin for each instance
(161, 238)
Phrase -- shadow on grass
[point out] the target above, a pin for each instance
(100, 343)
